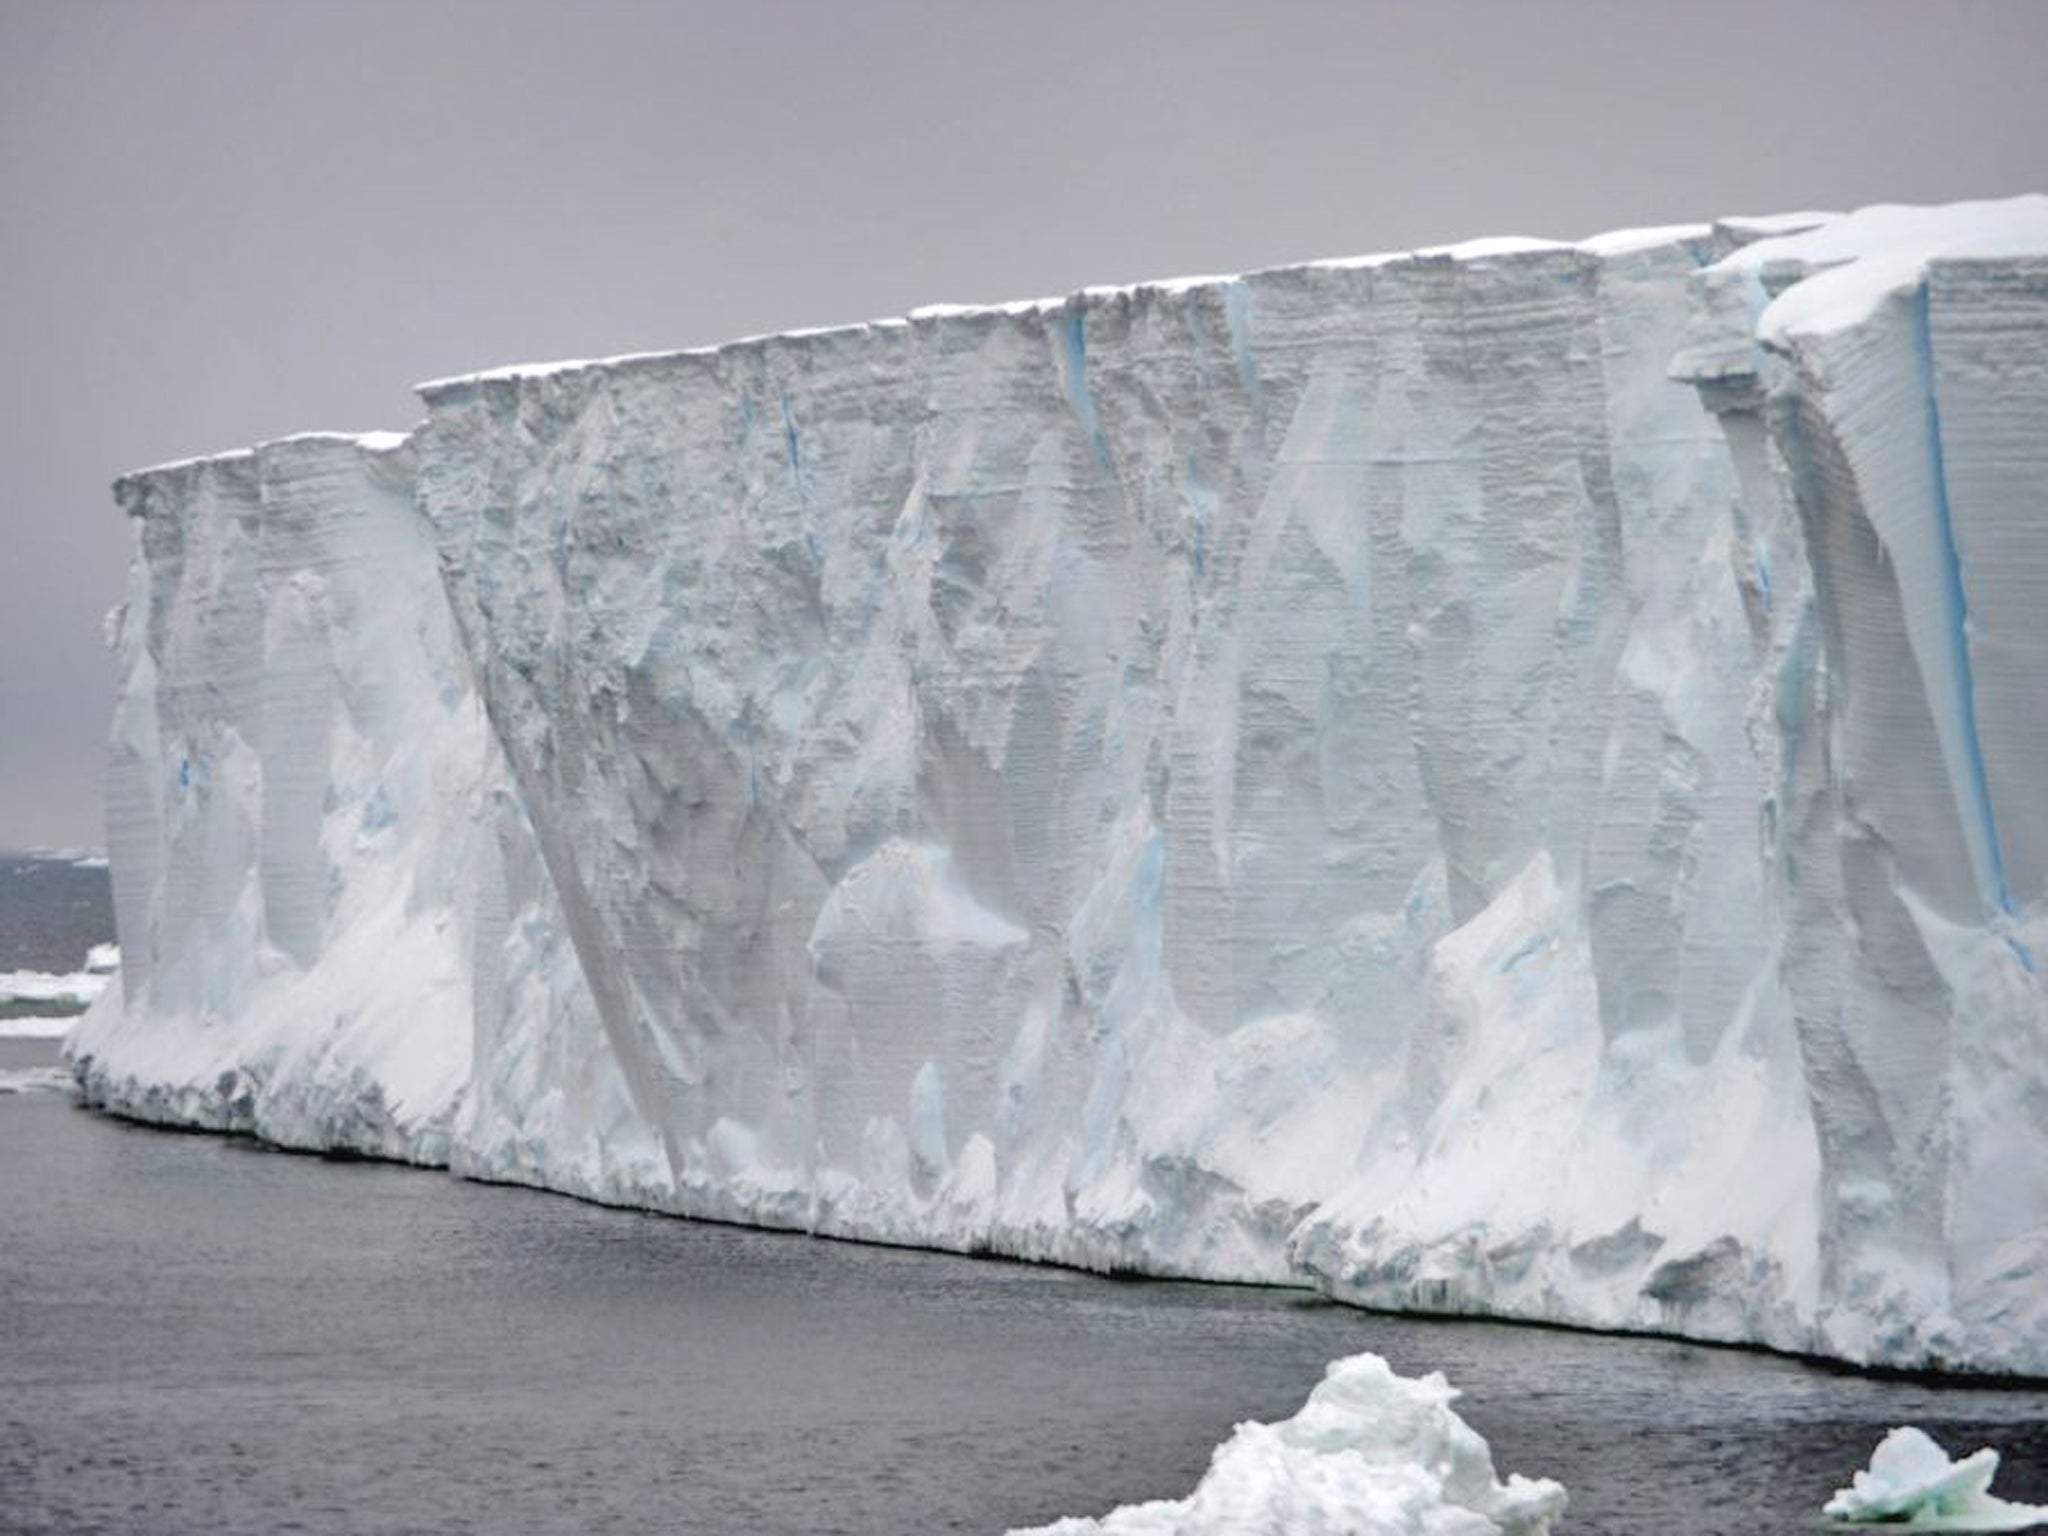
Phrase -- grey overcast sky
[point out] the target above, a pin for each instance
(227, 220)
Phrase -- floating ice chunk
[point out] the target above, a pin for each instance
(37, 1027)
(1370, 1452)
(38, 1080)
(103, 959)
(79, 988)
(1912, 1482)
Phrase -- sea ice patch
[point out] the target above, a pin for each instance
(37, 1027)
(37, 1080)
(79, 988)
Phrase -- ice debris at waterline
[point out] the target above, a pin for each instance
(1504, 779)
(1912, 1482)
(1369, 1454)
(36, 1026)
(72, 993)
(76, 989)
(37, 1080)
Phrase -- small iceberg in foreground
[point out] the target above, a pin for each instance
(1911, 1482)
(1370, 1454)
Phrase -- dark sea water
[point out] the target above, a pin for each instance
(51, 913)
(198, 1335)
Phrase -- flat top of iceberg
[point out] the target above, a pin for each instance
(1758, 225)
(1860, 259)
(1771, 229)
(1856, 260)
(1619, 242)
(381, 441)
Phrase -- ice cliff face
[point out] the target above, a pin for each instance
(1504, 779)
(278, 864)
(338, 933)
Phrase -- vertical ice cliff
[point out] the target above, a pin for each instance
(1886, 376)
(1501, 779)
(336, 935)
(281, 728)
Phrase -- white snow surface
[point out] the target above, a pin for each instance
(1912, 1483)
(1858, 262)
(1465, 779)
(1369, 1454)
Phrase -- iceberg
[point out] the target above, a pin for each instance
(1912, 1483)
(1369, 1454)
(1501, 780)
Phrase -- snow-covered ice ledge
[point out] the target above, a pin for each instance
(1500, 780)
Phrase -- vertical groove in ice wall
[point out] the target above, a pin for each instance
(1974, 788)
(1908, 960)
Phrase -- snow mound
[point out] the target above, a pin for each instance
(1912, 1482)
(1370, 1454)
